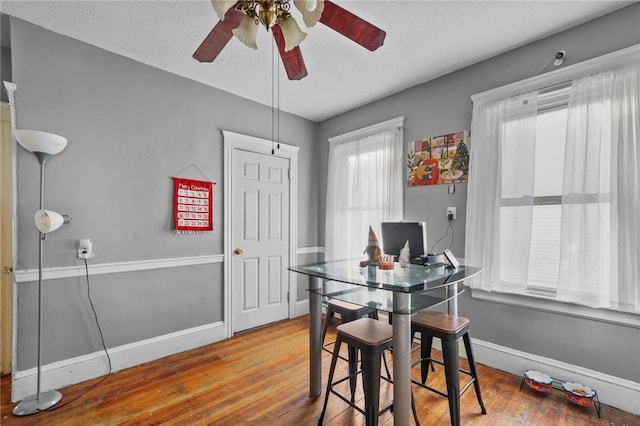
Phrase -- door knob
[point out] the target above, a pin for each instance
(238, 251)
(7, 269)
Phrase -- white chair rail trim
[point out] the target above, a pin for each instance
(310, 250)
(30, 275)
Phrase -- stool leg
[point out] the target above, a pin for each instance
(452, 374)
(386, 367)
(425, 356)
(325, 326)
(415, 412)
(332, 369)
(353, 370)
(371, 385)
(472, 368)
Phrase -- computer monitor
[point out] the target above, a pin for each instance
(396, 234)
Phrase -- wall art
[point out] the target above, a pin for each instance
(438, 160)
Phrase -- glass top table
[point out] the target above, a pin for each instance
(402, 291)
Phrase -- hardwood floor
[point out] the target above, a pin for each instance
(261, 378)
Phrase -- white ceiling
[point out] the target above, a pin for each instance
(425, 39)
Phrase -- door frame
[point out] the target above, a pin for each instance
(233, 142)
(8, 250)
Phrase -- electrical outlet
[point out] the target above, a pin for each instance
(85, 249)
(451, 213)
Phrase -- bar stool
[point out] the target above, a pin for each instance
(348, 312)
(448, 328)
(371, 338)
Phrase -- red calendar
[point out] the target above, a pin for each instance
(193, 205)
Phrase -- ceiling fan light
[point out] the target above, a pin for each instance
(222, 7)
(246, 31)
(311, 10)
(292, 34)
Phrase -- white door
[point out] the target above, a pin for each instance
(260, 238)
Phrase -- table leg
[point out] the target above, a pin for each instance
(401, 359)
(315, 337)
(452, 303)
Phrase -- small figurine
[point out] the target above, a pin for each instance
(372, 250)
(405, 258)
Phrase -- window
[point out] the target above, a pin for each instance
(551, 194)
(364, 187)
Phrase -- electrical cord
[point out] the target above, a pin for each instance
(104, 346)
(444, 236)
(544, 66)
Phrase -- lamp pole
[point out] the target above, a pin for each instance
(42, 400)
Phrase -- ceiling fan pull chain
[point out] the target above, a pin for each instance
(272, 100)
(278, 146)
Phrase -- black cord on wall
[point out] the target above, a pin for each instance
(104, 346)
(444, 236)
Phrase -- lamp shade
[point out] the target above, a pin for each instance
(222, 6)
(48, 221)
(292, 34)
(246, 31)
(311, 10)
(37, 141)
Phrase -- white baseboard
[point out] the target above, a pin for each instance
(79, 369)
(302, 308)
(614, 391)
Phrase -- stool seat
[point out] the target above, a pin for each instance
(440, 322)
(341, 305)
(348, 312)
(369, 332)
(449, 329)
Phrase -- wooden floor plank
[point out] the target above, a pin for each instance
(260, 377)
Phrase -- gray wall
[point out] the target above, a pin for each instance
(443, 106)
(130, 128)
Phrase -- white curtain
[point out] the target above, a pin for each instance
(599, 227)
(600, 247)
(494, 174)
(625, 129)
(364, 187)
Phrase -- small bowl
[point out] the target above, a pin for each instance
(538, 381)
(385, 262)
(578, 394)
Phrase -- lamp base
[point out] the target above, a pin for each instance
(34, 404)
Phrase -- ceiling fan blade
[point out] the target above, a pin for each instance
(218, 37)
(292, 60)
(351, 26)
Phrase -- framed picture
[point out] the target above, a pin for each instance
(438, 160)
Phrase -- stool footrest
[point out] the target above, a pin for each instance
(462, 370)
(360, 410)
(352, 404)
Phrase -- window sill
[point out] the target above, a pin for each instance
(604, 315)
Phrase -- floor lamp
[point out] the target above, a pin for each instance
(43, 145)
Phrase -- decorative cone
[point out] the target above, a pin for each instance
(373, 250)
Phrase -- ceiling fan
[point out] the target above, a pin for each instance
(242, 18)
